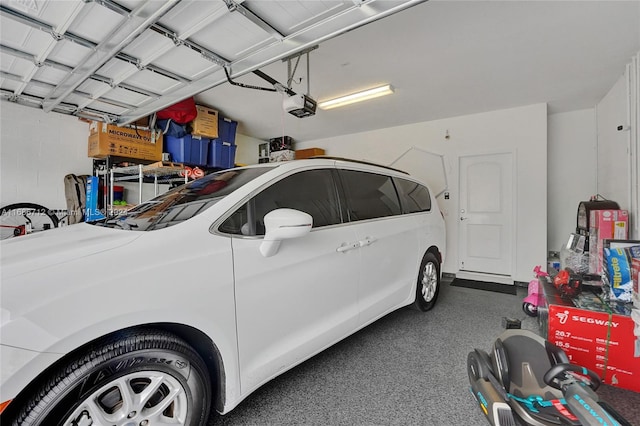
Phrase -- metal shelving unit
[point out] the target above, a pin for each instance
(156, 173)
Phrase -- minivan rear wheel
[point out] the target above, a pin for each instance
(428, 285)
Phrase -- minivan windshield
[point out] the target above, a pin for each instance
(184, 202)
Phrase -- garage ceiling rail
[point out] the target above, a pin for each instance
(119, 61)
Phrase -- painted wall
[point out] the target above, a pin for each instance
(571, 171)
(520, 131)
(37, 150)
(247, 149)
(618, 144)
(612, 150)
(633, 72)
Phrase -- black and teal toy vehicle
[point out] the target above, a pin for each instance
(527, 380)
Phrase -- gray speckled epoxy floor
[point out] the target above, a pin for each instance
(408, 368)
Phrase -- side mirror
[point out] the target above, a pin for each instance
(283, 224)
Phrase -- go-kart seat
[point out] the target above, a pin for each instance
(520, 359)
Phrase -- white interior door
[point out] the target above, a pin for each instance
(486, 214)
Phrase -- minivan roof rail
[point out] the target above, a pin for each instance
(351, 160)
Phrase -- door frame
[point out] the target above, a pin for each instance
(480, 276)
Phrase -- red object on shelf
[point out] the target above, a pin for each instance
(181, 112)
(118, 192)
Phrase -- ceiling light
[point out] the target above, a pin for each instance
(357, 97)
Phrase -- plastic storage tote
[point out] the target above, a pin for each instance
(221, 154)
(227, 129)
(199, 150)
(179, 148)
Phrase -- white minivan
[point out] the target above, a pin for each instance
(192, 300)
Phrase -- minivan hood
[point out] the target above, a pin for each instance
(39, 250)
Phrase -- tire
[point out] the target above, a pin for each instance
(530, 309)
(15, 215)
(428, 286)
(140, 375)
(476, 368)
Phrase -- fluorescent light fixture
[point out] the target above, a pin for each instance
(376, 92)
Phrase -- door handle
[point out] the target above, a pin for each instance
(367, 241)
(463, 218)
(346, 247)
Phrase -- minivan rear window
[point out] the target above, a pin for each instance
(369, 195)
(414, 197)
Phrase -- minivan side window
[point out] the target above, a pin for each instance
(414, 197)
(369, 195)
(312, 191)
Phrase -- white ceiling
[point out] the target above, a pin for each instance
(451, 58)
(444, 58)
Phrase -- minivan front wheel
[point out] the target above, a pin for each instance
(142, 377)
(428, 285)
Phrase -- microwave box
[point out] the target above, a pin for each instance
(108, 139)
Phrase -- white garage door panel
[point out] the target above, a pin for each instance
(172, 48)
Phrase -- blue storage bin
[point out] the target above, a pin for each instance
(199, 150)
(227, 129)
(179, 148)
(221, 154)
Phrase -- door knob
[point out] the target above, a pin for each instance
(462, 218)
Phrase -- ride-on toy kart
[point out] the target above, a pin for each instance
(529, 381)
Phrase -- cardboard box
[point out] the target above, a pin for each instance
(284, 155)
(605, 225)
(109, 139)
(598, 340)
(206, 123)
(635, 275)
(141, 122)
(309, 152)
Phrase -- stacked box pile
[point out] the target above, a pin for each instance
(605, 225)
(209, 140)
